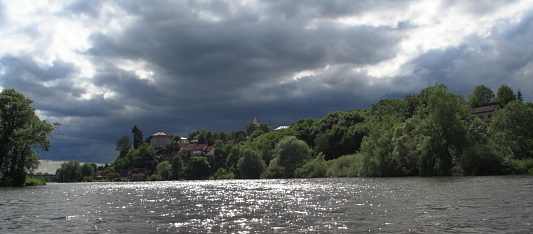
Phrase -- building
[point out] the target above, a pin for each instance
(485, 112)
(159, 140)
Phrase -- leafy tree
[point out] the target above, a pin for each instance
(264, 127)
(315, 168)
(87, 170)
(250, 128)
(137, 137)
(198, 168)
(291, 153)
(250, 164)
(482, 96)
(21, 132)
(123, 145)
(512, 129)
(444, 131)
(177, 167)
(164, 170)
(69, 172)
(504, 95)
(338, 134)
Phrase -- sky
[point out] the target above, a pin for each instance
(100, 67)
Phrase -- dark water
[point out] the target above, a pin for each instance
(395, 205)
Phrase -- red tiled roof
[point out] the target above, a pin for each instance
(160, 134)
(200, 147)
(208, 148)
(188, 147)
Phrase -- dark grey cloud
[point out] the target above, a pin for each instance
(219, 64)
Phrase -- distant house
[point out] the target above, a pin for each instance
(159, 140)
(184, 140)
(281, 127)
(186, 151)
(208, 151)
(485, 112)
(199, 149)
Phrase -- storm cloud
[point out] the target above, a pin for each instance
(100, 67)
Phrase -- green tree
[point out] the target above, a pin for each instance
(69, 172)
(512, 130)
(21, 132)
(87, 170)
(250, 164)
(137, 137)
(504, 95)
(290, 153)
(164, 170)
(482, 96)
(177, 167)
(264, 127)
(444, 130)
(250, 128)
(123, 145)
(198, 168)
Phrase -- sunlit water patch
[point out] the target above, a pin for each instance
(449, 204)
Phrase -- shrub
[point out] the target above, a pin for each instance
(35, 182)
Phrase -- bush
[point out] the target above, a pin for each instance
(522, 166)
(345, 166)
(315, 168)
(35, 181)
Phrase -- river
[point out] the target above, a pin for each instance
(497, 204)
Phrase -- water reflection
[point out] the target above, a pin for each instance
(458, 204)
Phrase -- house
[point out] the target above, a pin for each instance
(208, 151)
(199, 149)
(186, 151)
(159, 140)
(485, 112)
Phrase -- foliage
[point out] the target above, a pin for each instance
(177, 168)
(521, 166)
(123, 145)
(512, 129)
(482, 96)
(315, 168)
(345, 166)
(35, 182)
(198, 168)
(223, 174)
(250, 164)
(21, 132)
(137, 137)
(504, 95)
(69, 172)
(291, 154)
(164, 170)
(87, 170)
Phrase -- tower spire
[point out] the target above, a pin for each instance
(255, 121)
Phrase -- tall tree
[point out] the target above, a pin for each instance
(504, 95)
(137, 137)
(123, 145)
(250, 164)
(21, 133)
(482, 96)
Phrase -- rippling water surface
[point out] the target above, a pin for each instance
(445, 204)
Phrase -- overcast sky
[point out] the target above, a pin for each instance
(100, 67)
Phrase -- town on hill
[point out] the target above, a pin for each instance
(433, 133)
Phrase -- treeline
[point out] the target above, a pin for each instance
(429, 134)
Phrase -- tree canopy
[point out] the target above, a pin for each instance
(22, 133)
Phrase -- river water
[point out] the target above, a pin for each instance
(497, 204)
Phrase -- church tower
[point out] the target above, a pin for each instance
(255, 121)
